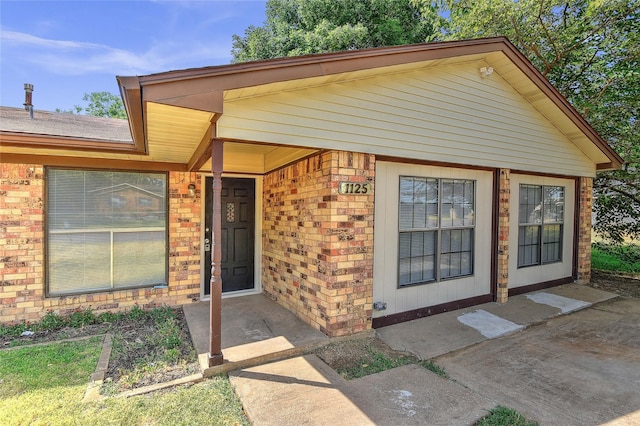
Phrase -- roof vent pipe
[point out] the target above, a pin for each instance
(28, 99)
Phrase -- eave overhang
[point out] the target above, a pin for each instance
(32, 140)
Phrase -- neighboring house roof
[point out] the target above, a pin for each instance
(62, 129)
(123, 186)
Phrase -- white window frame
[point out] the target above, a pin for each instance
(438, 229)
(541, 221)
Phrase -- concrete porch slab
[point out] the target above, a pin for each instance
(521, 310)
(440, 334)
(255, 330)
(582, 292)
(431, 336)
(488, 324)
(565, 304)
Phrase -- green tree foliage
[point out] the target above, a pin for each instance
(590, 51)
(100, 104)
(104, 104)
(299, 27)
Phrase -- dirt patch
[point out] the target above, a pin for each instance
(146, 352)
(352, 354)
(623, 285)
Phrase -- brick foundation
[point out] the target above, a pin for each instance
(318, 244)
(22, 282)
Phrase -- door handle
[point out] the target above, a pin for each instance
(207, 245)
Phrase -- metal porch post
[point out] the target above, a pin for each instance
(215, 303)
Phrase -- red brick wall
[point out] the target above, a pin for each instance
(22, 285)
(318, 244)
(585, 194)
(21, 241)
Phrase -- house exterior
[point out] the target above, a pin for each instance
(356, 189)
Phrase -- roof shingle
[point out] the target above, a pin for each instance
(64, 125)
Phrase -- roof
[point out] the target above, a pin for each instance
(173, 115)
(204, 90)
(62, 129)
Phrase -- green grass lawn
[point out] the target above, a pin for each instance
(48, 367)
(45, 385)
(503, 416)
(617, 258)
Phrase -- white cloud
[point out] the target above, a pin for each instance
(17, 38)
(69, 57)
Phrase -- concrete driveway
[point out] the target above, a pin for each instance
(579, 369)
(572, 368)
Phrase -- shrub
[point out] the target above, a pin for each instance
(162, 313)
(137, 313)
(82, 317)
(52, 321)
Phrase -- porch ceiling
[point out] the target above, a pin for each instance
(173, 133)
(176, 134)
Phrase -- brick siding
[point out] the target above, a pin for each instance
(318, 244)
(22, 282)
(585, 194)
(504, 198)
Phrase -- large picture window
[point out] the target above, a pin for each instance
(540, 224)
(105, 230)
(436, 229)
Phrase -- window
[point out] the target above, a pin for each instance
(436, 227)
(540, 224)
(98, 236)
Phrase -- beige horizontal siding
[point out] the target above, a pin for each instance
(385, 268)
(448, 114)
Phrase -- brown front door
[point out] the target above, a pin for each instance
(238, 234)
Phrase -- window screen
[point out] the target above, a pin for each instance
(105, 230)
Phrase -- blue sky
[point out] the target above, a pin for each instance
(69, 48)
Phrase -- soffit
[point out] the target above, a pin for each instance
(174, 133)
(305, 83)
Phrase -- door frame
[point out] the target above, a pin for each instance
(257, 252)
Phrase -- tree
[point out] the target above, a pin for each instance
(299, 27)
(590, 51)
(101, 104)
(104, 104)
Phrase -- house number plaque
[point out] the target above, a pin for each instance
(354, 188)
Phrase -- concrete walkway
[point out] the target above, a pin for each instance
(302, 390)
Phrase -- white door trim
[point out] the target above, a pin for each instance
(257, 261)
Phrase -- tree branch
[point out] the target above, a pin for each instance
(633, 197)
